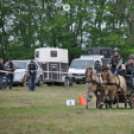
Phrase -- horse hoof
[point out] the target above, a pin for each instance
(86, 108)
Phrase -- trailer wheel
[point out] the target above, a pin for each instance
(66, 82)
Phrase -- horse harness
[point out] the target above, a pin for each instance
(113, 84)
(93, 81)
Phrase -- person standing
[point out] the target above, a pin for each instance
(32, 69)
(2, 74)
(10, 67)
(115, 62)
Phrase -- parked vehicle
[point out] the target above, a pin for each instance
(78, 67)
(21, 66)
(105, 51)
(54, 62)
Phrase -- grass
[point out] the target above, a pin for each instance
(45, 112)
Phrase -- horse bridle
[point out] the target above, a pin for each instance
(92, 81)
(106, 83)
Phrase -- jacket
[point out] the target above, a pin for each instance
(7, 67)
(32, 69)
(115, 61)
(2, 67)
(129, 67)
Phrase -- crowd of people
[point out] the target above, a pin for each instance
(7, 71)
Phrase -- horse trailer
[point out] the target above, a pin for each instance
(54, 62)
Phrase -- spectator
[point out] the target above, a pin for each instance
(32, 69)
(11, 68)
(2, 74)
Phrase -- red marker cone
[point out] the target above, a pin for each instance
(82, 101)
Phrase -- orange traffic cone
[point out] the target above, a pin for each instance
(82, 101)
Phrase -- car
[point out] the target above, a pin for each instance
(78, 67)
(19, 74)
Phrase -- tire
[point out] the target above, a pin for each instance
(66, 82)
(40, 81)
(77, 82)
(49, 84)
(22, 84)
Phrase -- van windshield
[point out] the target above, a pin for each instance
(20, 65)
(81, 64)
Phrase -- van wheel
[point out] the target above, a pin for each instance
(77, 82)
(22, 84)
(66, 82)
(40, 81)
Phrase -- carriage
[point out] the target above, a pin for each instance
(130, 92)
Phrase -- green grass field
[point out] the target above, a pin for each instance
(45, 112)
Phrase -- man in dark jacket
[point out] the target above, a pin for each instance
(130, 65)
(115, 62)
(32, 71)
(2, 74)
(10, 67)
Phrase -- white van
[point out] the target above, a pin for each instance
(78, 67)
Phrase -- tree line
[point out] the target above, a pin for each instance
(29, 24)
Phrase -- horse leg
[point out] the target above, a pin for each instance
(86, 107)
(111, 101)
(102, 99)
(117, 104)
(125, 97)
(89, 95)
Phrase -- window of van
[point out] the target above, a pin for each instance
(81, 64)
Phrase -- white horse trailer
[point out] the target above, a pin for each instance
(54, 62)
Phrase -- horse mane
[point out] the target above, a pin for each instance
(88, 68)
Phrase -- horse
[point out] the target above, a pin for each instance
(113, 85)
(93, 84)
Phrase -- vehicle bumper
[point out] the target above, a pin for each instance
(18, 79)
(78, 79)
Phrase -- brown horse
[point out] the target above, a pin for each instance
(93, 84)
(114, 84)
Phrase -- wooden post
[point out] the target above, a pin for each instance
(25, 81)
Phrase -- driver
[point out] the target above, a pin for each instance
(115, 62)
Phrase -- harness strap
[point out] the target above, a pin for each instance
(92, 81)
(118, 85)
